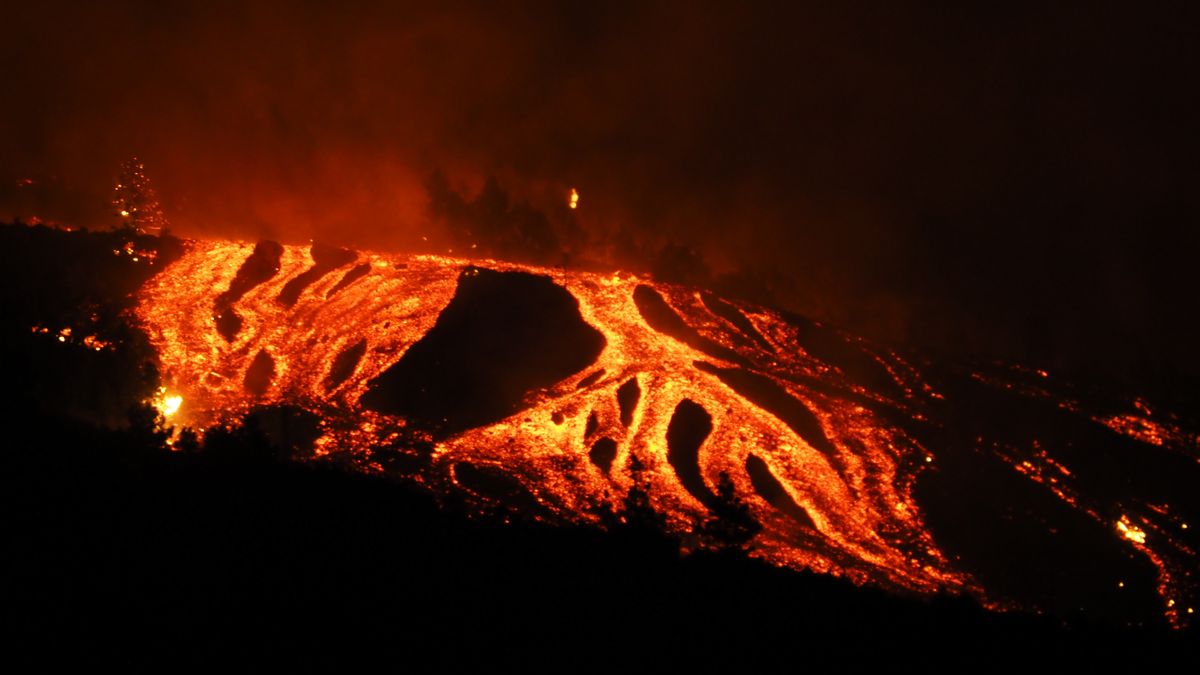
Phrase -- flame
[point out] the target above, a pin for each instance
(167, 404)
(573, 199)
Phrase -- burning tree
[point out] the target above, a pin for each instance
(135, 201)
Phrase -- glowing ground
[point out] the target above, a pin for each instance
(736, 425)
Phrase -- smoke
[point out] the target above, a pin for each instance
(1013, 183)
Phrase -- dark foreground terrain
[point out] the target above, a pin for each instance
(120, 550)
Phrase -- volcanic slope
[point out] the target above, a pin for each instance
(568, 395)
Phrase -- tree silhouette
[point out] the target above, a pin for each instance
(135, 200)
(732, 524)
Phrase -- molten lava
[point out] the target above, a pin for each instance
(701, 407)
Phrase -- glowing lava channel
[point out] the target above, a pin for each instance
(825, 477)
(855, 514)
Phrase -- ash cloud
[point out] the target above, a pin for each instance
(1014, 182)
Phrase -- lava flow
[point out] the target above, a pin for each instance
(569, 395)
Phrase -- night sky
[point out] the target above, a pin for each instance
(1018, 182)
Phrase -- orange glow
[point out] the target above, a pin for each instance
(573, 200)
(862, 520)
(171, 405)
(845, 508)
(1130, 531)
(167, 404)
(95, 343)
(1140, 428)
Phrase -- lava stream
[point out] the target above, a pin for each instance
(707, 407)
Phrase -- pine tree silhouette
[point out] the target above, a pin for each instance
(135, 200)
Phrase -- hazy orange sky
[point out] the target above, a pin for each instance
(1023, 176)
